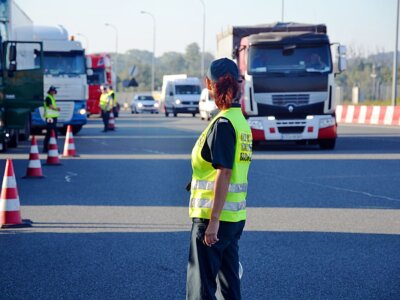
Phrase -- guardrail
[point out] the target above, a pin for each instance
(372, 115)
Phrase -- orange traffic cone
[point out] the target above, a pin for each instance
(52, 154)
(10, 215)
(111, 122)
(69, 145)
(34, 169)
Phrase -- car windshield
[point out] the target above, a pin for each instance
(68, 63)
(98, 76)
(289, 59)
(187, 89)
(139, 98)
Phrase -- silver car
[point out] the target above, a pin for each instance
(144, 103)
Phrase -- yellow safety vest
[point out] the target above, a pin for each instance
(48, 112)
(105, 102)
(204, 174)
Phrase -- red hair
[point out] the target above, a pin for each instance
(225, 91)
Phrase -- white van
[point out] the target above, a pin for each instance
(207, 107)
(180, 94)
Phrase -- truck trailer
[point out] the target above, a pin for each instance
(289, 80)
(65, 68)
(21, 71)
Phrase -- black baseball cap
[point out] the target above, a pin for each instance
(221, 67)
(52, 88)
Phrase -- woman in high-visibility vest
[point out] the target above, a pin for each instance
(51, 114)
(220, 161)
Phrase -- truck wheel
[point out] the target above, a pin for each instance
(4, 148)
(174, 113)
(14, 140)
(76, 129)
(166, 112)
(25, 133)
(327, 144)
(193, 114)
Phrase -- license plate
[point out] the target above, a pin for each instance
(291, 137)
(191, 108)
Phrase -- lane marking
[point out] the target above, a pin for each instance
(95, 219)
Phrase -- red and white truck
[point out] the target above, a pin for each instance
(102, 75)
(289, 80)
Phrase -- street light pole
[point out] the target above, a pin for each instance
(86, 39)
(204, 38)
(283, 10)
(394, 80)
(154, 47)
(116, 54)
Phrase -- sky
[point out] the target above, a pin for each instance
(366, 26)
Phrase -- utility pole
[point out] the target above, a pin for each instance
(394, 80)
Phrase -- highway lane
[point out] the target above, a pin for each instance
(113, 222)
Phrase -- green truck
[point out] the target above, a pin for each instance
(21, 74)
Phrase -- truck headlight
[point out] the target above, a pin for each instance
(177, 101)
(82, 111)
(140, 105)
(255, 124)
(327, 122)
(156, 105)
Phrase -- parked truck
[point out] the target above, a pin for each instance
(102, 75)
(21, 72)
(65, 68)
(289, 80)
(180, 94)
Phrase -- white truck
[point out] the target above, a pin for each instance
(289, 80)
(64, 68)
(180, 94)
(21, 74)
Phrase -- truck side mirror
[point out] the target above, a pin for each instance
(341, 58)
(12, 58)
(88, 62)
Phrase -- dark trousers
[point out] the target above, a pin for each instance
(49, 128)
(217, 267)
(106, 118)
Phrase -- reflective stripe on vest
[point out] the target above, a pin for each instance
(204, 174)
(209, 185)
(207, 203)
(48, 112)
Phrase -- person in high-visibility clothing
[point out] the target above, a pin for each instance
(106, 104)
(115, 102)
(220, 163)
(51, 114)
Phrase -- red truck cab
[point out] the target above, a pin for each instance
(102, 75)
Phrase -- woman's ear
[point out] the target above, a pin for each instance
(208, 83)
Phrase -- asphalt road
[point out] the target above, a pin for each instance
(112, 223)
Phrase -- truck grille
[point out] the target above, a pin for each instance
(295, 99)
(292, 129)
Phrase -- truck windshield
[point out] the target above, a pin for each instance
(289, 59)
(64, 63)
(98, 77)
(187, 89)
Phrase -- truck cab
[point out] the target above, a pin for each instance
(288, 91)
(21, 74)
(102, 75)
(64, 68)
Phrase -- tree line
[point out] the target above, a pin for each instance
(169, 63)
